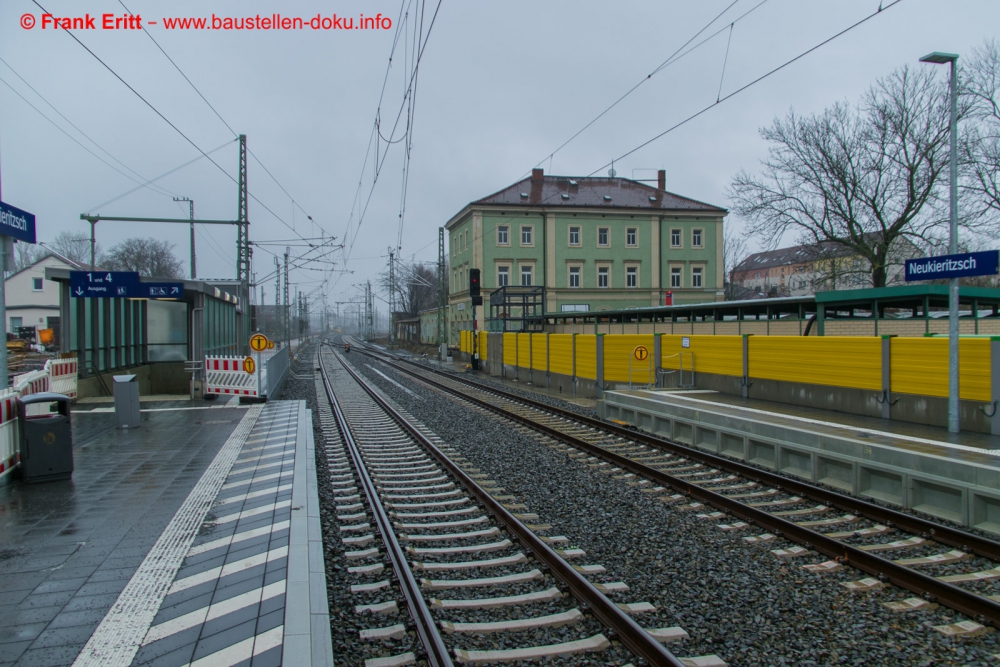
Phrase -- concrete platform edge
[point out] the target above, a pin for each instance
(307, 638)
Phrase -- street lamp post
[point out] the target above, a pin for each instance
(939, 58)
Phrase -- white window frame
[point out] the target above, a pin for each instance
(530, 269)
(634, 233)
(606, 272)
(577, 272)
(697, 277)
(530, 229)
(503, 270)
(676, 277)
(679, 236)
(505, 230)
(575, 229)
(698, 238)
(630, 273)
(607, 240)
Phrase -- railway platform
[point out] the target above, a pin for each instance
(191, 540)
(950, 476)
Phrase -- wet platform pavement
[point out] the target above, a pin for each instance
(193, 539)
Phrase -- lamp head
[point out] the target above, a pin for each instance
(939, 58)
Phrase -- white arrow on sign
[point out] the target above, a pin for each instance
(173, 290)
(79, 291)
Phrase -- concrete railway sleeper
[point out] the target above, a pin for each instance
(445, 532)
(885, 543)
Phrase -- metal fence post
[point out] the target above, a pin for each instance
(657, 361)
(995, 384)
(600, 366)
(886, 377)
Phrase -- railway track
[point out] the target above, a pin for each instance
(937, 562)
(445, 531)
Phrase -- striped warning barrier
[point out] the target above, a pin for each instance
(62, 376)
(225, 375)
(9, 436)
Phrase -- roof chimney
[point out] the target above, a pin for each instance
(537, 175)
(661, 179)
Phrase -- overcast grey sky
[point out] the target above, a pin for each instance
(501, 85)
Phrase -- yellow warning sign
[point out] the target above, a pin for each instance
(270, 344)
(258, 342)
(640, 353)
(249, 365)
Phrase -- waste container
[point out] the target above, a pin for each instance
(126, 401)
(46, 439)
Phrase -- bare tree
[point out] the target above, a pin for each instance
(981, 139)
(150, 257)
(74, 246)
(416, 287)
(735, 249)
(864, 178)
(26, 254)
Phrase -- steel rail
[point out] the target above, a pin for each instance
(630, 633)
(913, 524)
(426, 628)
(959, 599)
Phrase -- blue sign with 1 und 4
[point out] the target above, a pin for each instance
(953, 266)
(104, 284)
(17, 223)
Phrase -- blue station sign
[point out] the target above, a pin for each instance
(103, 284)
(17, 223)
(962, 265)
(119, 285)
(161, 290)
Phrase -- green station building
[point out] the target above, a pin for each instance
(581, 244)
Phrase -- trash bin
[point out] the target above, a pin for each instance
(46, 440)
(126, 401)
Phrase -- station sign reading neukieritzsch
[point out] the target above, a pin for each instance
(962, 265)
(17, 223)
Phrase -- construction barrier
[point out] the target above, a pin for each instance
(225, 375)
(10, 436)
(63, 376)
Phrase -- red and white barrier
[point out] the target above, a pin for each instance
(225, 375)
(62, 376)
(9, 435)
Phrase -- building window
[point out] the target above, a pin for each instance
(696, 235)
(503, 276)
(574, 307)
(675, 238)
(526, 276)
(36, 284)
(632, 237)
(526, 235)
(696, 277)
(574, 276)
(632, 276)
(503, 237)
(574, 236)
(15, 324)
(602, 277)
(675, 277)
(602, 236)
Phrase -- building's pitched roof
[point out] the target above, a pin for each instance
(593, 192)
(799, 254)
(49, 252)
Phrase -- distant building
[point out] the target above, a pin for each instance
(33, 301)
(591, 243)
(806, 269)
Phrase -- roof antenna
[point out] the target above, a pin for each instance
(611, 172)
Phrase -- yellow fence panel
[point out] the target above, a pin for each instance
(510, 349)
(586, 356)
(620, 364)
(722, 355)
(461, 341)
(920, 366)
(561, 354)
(483, 338)
(539, 353)
(524, 350)
(848, 361)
